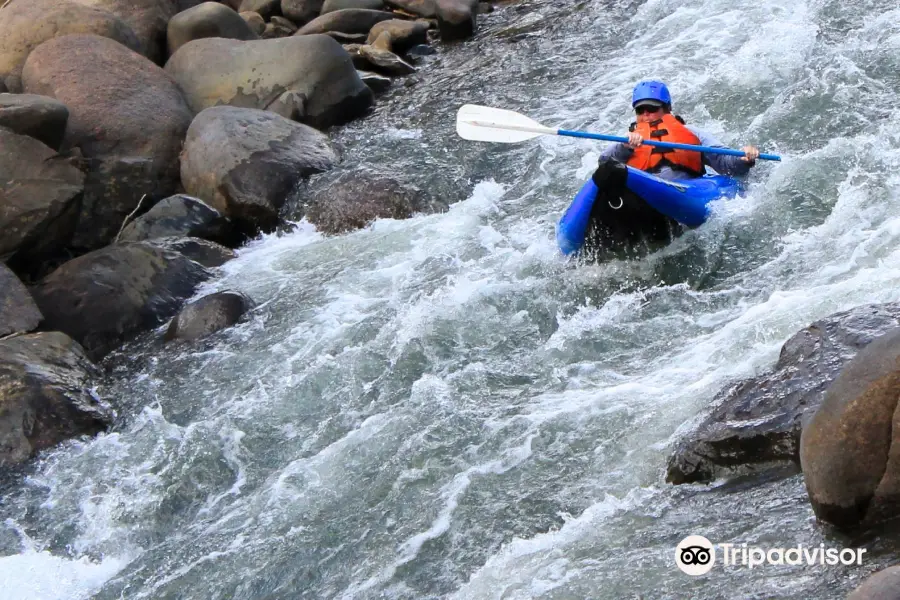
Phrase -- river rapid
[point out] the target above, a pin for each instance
(445, 407)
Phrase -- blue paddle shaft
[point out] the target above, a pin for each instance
(624, 140)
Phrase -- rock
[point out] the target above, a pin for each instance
(758, 421)
(279, 27)
(849, 451)
(347, 38)
(398, 36)
(40, 198)
(26, 24)
(421, 50)
(356, 199)
(244, 162)
(256, 74)
(209, 19)
(45, 395)
(148, 19)
(301, 11)
(18, 312)
(208, 315)
(127, 116)
(255, 21)
(333, 5)
(883, 585)
(204, 252)
(348, 20)
(386, 61)
(107, 296)
(284, 24)
(180, 216)
(264, 8)
(377, 83)
(456, 18)
(39, 117)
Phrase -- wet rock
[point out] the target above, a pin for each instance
(26, 24)
(204, 252)
(126, 115)
(208, 315)
(45, 397)
(333, 5)
(107, 296)
(39, 117)
(40, 198)
(376, 82)
(244, 162)
(18, 312)
(256, 74)
(850, 449)
(397, 35)
(883, 585)
(301, 11)
(180, 216)
(348, 20)
(265, 8)
(256, 23)
(209, 19)
(421, 50)
(356, 199)
(758, 421)
(385, 61)
(147, 18)
(456, 18)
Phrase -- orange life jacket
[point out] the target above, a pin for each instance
(669, 128)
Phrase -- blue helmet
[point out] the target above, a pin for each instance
(651, 90)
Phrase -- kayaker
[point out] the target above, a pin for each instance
(652, 104)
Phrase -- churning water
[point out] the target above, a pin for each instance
(444, 406)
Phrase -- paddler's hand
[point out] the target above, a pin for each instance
(634, 139)
(751, 153)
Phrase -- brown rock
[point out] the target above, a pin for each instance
(850, 450)
(105, 297)
(257, 74)
(883, 585)
(301, 11)
(26, 24)
(244, 162)
(398, 36)
(209, 19)
(18, 312)
(333, 5)
(208, 315)
(45, 395)
(456, 18)
(265, 8)
(127, 116)
(385, 61)
(255, 21)
(147, 18)
(350, 20)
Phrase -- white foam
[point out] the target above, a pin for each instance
(42, 576)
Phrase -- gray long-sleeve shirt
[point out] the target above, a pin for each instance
(723, 164)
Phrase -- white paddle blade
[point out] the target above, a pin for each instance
(485, 124)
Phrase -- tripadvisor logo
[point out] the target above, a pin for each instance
(696, 555)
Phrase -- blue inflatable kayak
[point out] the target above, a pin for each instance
(685, 201)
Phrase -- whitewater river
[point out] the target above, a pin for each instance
(444, 407)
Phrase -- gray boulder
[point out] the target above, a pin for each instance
(107, 296)
(245, 162)
(45, 395)
(147, 18)
(180, 216)
(204, 252)
(209, 19)
(758, 421)
(301, 11)
(126, 115)
(349, 20)
(18, 312)
(311, 77)
(265, 8)
(208, 315)
(39, 117)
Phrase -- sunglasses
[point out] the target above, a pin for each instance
(647, 109)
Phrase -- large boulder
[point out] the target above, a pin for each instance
(180, 216)
(308, 77)
(39, 117)
(209, 19)
(45, 395)
(883, 585)
(147, 18)
(758, 421)
(208, 315)
(126, 115)
(456, 18)
(850, 449)
(265, 8)
(26, 24)
(18, 312)
(348, 20)
(301, 11)
(107, 296)
(244, 162)
(356, 199)
(333, 5)
(40, 199)
(204, 252)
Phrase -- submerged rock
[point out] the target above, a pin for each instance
(208, 315)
